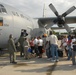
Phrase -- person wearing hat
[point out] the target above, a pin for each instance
(45, 35)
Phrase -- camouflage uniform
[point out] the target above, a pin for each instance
(26, 46)
(21, 40)
(12, 50)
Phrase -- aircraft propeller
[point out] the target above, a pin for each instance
(60, 21)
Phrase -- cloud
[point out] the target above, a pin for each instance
(34, 8)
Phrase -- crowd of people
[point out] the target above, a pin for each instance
(68, 43)
(38, 45)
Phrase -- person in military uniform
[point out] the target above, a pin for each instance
(21, 40)
(12, 49)
(26, 47)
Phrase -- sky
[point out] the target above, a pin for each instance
(34, 8)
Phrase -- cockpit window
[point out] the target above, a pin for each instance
(2, 9)
(1, 5)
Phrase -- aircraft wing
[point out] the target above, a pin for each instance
(70, 20)
(44, 21)
(50, 21)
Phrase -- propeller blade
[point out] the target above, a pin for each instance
(68, 29)
(69, 11)
(53, 9)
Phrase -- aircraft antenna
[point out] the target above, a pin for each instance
(44, 10)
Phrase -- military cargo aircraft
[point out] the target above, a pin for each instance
(12, 21)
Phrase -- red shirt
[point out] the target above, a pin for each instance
(31, 43)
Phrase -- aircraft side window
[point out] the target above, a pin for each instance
(17, 14)
(13, 13)
(2, 8)
(22, 15)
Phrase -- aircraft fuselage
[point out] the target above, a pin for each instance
(12, 22)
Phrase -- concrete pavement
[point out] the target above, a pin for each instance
(36, 66)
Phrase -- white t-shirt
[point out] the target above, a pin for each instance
(40, 42)
(53, 39)
(73, 40)
(36, 41)
(64, 42)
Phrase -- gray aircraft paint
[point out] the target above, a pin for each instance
(13, 24)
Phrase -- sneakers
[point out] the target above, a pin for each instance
(55, 60)
(49, 59)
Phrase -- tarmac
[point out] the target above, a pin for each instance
(36, 66)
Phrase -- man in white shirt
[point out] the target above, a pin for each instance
(36, 46)
(53, 46)
(40, 46)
